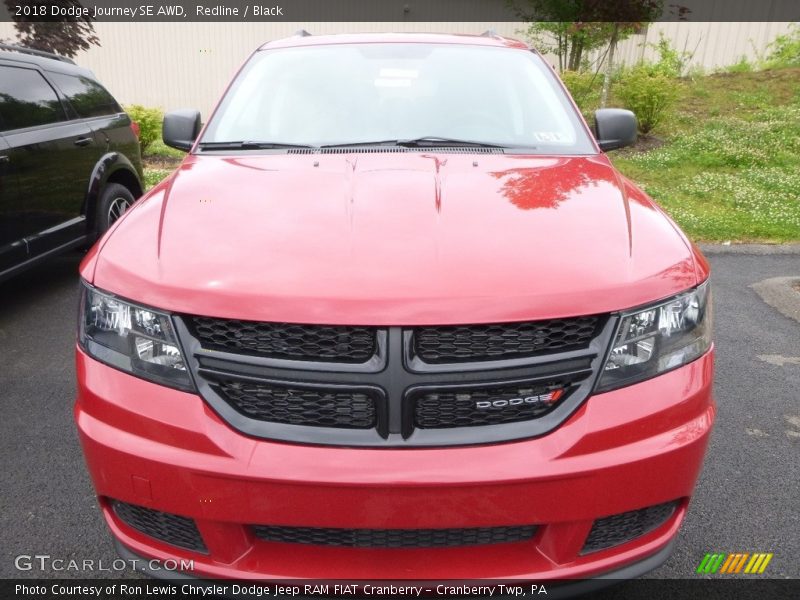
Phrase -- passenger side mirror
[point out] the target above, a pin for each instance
(614, 128)
(181, 128)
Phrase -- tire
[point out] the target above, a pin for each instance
(115, 199)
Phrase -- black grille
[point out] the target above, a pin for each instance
(395, 538)
(459, 343)
(166, 527)
(285, 340)
(353, 409)
(466, 407)
(621, 528)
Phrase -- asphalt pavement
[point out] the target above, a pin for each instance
(747, 499)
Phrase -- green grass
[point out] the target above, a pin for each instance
(153, 176)
(730, 167)
(160, 149)
(157, 162)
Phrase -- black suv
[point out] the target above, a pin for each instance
(69, 157)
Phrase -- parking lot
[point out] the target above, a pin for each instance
(747, 498)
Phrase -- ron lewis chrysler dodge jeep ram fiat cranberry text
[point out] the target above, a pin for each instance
(396, 316)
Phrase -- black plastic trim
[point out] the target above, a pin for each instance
(32, 261)
(561, 589)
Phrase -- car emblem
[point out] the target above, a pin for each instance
(542, 399)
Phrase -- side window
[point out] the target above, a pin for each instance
(88, 98)
(27, 100)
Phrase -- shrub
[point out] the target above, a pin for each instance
(671, 62)
(784, 51)
(585, 89)
(648, 93)
(742, 66)
(696, 72)
(149, 121)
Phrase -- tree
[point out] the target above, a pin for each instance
(626, 17)
(569, 41)
(571, 28)
(561, 27)
(66, 37)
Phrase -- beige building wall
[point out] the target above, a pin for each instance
(175, 65)
(713, 45)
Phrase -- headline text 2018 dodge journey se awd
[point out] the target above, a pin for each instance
(69, 157)
(396, 316)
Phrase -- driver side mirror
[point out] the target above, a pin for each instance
(181, 128)
(615, 128)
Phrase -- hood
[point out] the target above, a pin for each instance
(394, 239)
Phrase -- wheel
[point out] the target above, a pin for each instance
(115, 199)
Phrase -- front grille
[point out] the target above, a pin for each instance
(171, 529)
(395, 538)
(381, 386)
(459, 343)
(286, 340)
(468, 407)
(624, 527)
(316, 407)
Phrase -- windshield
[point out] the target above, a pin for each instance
(379, 93)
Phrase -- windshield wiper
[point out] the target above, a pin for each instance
(429, 141)
(433, 141)
(420, 142)
(249, 145)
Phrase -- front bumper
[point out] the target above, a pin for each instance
(624, 450)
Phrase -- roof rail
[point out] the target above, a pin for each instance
(301, 33)
(33, 52)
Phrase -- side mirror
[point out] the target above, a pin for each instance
(614, 128)
(181, 128)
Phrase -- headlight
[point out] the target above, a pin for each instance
(659, 338)
(138, 340)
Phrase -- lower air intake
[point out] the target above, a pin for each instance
(168, 528)
(624, 527)
(395, 538)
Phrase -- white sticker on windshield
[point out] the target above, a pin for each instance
(549, 136)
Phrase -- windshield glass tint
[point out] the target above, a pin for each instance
(357, 93)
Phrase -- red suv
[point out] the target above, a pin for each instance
(396, 316)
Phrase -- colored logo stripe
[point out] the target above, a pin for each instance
(710, 563)
(734, 563)
(758, 563)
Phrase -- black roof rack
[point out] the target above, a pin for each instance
(32, 52)
(302, 33)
